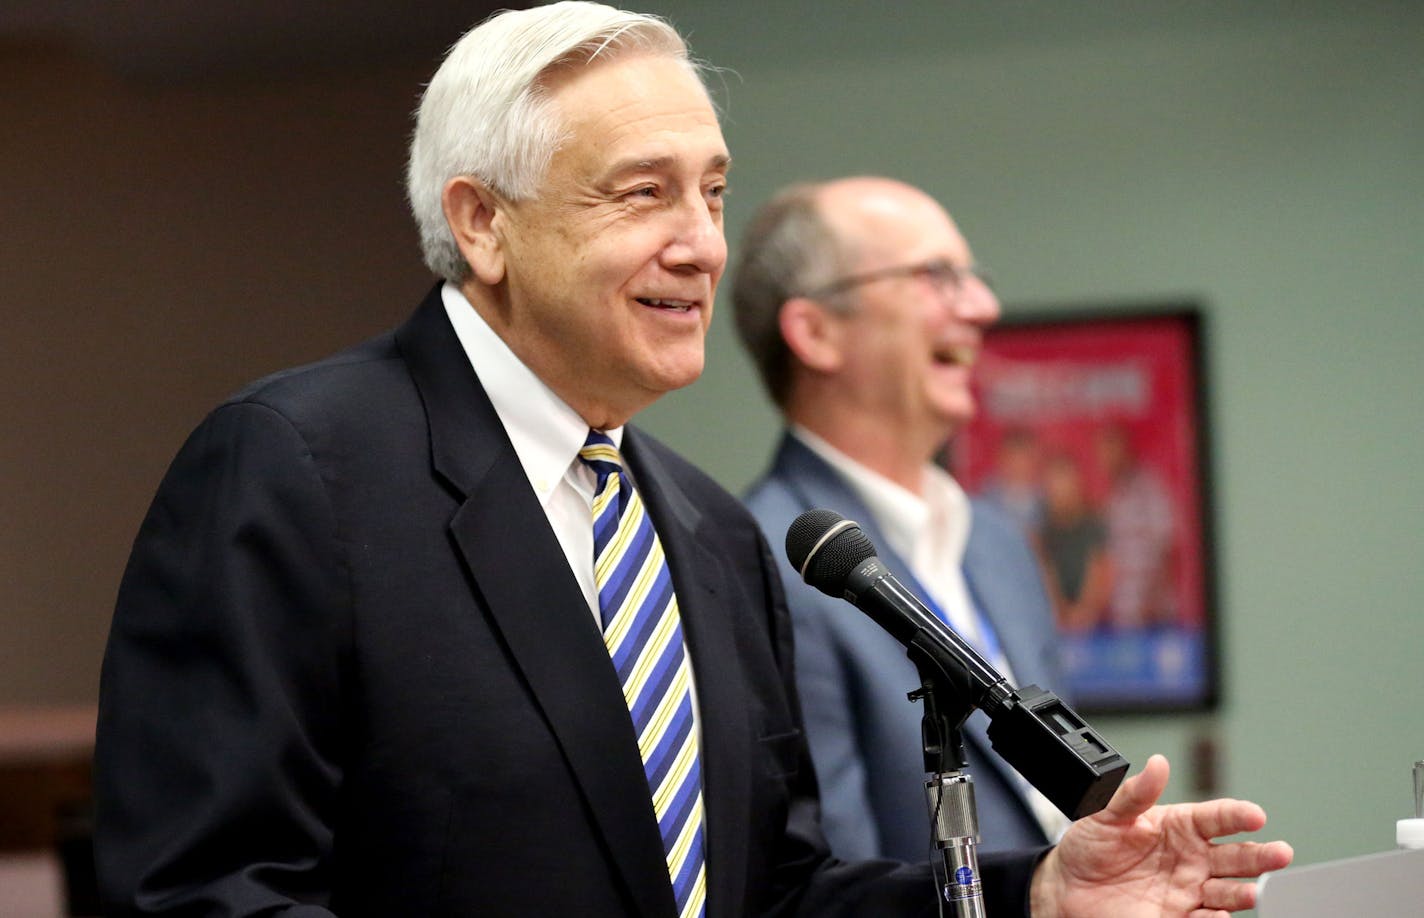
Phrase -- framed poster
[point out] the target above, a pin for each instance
(1090, 435)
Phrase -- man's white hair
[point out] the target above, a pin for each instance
(485, 112)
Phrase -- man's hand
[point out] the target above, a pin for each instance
(1138, 860)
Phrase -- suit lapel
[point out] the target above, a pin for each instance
(521, 575)
(820, 486)
(726, 740)
(1002, 579)
(996, 597)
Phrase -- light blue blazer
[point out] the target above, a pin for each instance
(853, 676)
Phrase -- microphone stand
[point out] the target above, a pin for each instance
(949, 792)
(1031, 729)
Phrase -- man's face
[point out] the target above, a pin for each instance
(912, 340)
(611, 269)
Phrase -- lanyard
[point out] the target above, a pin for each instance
(987, 642)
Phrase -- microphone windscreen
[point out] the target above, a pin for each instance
(831, 562)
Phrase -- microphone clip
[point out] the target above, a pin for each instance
(949, 794)
(940, 736)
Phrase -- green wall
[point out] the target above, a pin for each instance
(1264, 159)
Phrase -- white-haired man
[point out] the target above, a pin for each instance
(422, 629)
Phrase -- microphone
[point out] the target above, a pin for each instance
(1032, 729)
(834, 555)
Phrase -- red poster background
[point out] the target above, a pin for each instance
(1067, 381)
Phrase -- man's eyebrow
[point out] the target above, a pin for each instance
(635, 165)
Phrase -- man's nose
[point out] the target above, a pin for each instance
(698, 242)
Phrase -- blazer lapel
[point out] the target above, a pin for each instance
(726, 739)
(1016, 607)
(521, 575)
(995, 597)
(820, 486)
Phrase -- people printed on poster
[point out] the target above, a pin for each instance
(1087, 435)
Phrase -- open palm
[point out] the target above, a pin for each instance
(1135, 859)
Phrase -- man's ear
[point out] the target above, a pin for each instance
(472, 211)
(814, 334)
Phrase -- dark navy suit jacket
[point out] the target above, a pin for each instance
(853, 676)
(350, 672)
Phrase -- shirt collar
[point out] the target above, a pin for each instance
(908, 520)
(545, 432)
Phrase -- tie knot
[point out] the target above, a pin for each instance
(599, 454)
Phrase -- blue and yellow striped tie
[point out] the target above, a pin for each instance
(643, 632)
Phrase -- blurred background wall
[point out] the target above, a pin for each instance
(180, 217)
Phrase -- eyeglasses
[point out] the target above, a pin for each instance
(944, 276)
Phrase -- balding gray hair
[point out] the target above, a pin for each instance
(787, 250)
